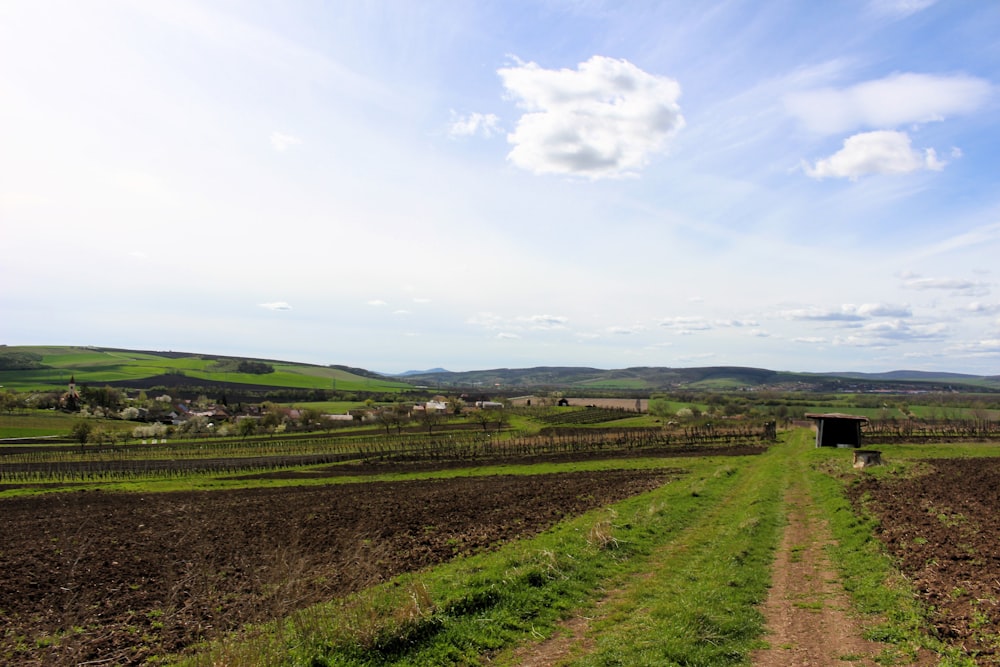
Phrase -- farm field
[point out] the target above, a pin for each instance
(120, 577)
(942, 528)
(426, 556)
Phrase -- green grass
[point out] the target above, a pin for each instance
(43, 423)
(457, 613)
(698, 603)
(327, 407)
(96, 367)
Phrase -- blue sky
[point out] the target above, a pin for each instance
(806, 186)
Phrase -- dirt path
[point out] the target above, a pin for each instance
(807, 609)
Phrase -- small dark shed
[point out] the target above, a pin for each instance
(835, 429)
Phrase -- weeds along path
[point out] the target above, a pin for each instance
(807, 610)
(696, 601)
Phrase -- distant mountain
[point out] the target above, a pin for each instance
(908, 376)
(647, 378)
(408, 373)
(50, 367)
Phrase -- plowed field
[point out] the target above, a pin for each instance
(115, 578)
(944, 529)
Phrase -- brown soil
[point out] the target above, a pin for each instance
(118, 577)
(942, 528)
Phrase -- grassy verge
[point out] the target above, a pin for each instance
(878, 591)
(473, 607)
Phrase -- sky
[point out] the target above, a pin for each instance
(401, 185)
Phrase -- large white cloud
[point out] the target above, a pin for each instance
(879, 152)
(893, 101)
(606, 118)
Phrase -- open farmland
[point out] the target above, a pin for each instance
(129, 578)
(119, 577)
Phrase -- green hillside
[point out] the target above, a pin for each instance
(710, 378)
(38, 368)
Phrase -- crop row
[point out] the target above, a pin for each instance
(586, 416)
(122, 464)
(909, 430)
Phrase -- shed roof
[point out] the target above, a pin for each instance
(835, 415)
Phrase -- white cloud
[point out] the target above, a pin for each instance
(377, 303)
(813, 340)
(883, 310)
(684, 325)
(983, 348)
(892, 332)
(879, 152)
(848, 312)
(606, 118)
(545, 322)
(519, 323)
(626, 331)
(275, 305)
(473, 124)
(281, 141)
(503, 335)
(896, 100)
(955, 285)
(979, 308)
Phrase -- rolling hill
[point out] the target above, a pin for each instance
(49, 368)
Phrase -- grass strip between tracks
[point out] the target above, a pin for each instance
(698, 602)
(467, 611)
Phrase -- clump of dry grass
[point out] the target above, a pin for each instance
(601, 535)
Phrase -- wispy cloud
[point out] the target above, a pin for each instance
(847, 312)
(606, 118)
(474, 124)
(809, 340)
(954, 285)
(282, 141)
(899, 8)
(626, 330)
(275, 305)
(891, 102)
(685, 325)
(892, 332)
(544, 321)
